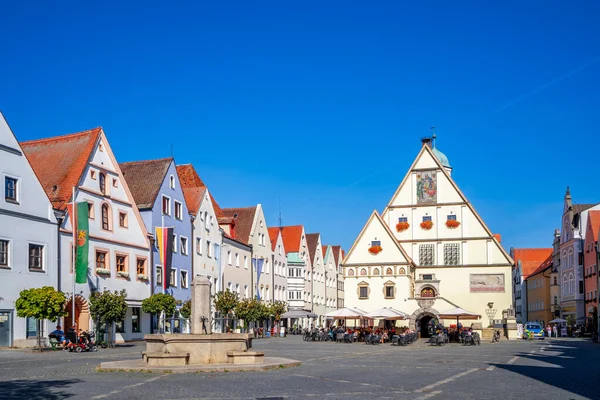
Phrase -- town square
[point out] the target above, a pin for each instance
(277, 201)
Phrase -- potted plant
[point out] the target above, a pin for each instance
(402, 226)
(375, 249)
(123, 274)
(142, 277)
(452, 223)
(427, 225)
(102, 271)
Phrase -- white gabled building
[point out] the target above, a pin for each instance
(119, 247)
(428, 252)
(28, 240)
(279, 263)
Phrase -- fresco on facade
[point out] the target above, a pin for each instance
(426, 187)
(487, 283)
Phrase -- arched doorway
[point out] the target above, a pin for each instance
(423, 325)
(82, 314)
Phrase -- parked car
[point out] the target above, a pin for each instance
(533, 329)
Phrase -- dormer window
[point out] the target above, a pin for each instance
(102, 183)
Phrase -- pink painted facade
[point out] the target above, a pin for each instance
(590, 267)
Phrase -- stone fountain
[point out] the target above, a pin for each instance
(202, 350)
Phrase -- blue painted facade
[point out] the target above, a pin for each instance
(154, 218)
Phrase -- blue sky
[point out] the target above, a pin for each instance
(321, 105)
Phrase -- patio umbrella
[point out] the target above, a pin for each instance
(458, 313)
(558, 321)
(387, 313)
(348, 313)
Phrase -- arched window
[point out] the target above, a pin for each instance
(571, 283)
(389, 271)
(102, 182)
(565, 286)
(427, 292)
(363, 271)
(172, 182)
(350, 272)
(376, 271)
(402, 271)
(105, 217)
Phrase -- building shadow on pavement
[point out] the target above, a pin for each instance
(36, 389)
(569, 366)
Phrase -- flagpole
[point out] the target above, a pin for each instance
(74, 228)
(164, 285)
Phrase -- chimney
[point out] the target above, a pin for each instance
(498, 237)
(427, 141)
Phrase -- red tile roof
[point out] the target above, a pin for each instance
(273, 234)
(324, 250)
(60, 161)
(292, 236)
(530, 259)
(312, 239)
(145, 178)
(244, 218)
(336, 253)
(594, 220)
(193, 198)
(543, 266)
(189, 178)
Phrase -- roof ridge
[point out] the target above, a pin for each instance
(68, 135)
(146, 161)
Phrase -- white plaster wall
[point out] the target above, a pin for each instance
(206, 228)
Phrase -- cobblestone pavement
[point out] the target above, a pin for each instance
(550, 369)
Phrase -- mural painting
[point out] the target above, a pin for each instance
(426, 187)
(487, 283)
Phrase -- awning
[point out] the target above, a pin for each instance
(299, 314)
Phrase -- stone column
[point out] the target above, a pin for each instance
(201, 318)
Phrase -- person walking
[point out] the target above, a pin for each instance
(555, 329)
(549, 330)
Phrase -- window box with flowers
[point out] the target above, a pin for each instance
(375, 247)
(427, 224)
(402, 226)
(142, 277)
(123, 274)
(452, 223)
(103, 271)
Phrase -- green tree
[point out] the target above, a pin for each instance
(225, 302)
(252, 310)
(278, 308)
(158, 303)
(186, 309)
(41, 303)
(108, 307)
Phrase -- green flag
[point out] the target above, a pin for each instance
(81, 261)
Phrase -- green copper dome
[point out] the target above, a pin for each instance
(440, 156)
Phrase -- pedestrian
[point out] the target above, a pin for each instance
(555, 329)
(549, 330)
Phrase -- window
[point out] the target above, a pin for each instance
(140, 266)
(102, 183)
(246, 262)
(159, 275)
(105, 217)
(178, 210)
(363, 292)
(451, 253)
(375, 243)
(121, 263)
(122, 219)
(290, 295)
(427, 277)
(580, 287)
(403, 219)
(451, 217)
(184, 245)
(199, 245)
(174, 243)
(555, 283)
(229, 257)
(426, 254)
(427, 218)
(237, 260)
(172, 182)
(4, 253)
(183, 279)
(120, 326)
(208, 249)
(101, 260)
(166, 205)
(10, 189)
(36, 257)
(135, 320)
(115, 183)
(245, 291)
(290, 272)
(389, 292)
(555, 300)
(91, 211)
(92, 174)
(173, 278)
(31, 327)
